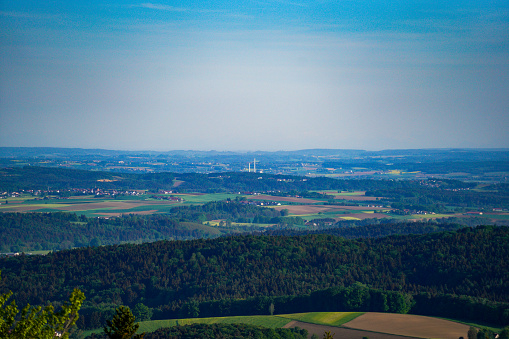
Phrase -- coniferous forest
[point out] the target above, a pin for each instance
(183, 278)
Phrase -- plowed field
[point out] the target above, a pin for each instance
(409, 325)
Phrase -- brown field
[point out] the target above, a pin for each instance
(287, 199)
(177, 183)
(121, 205)
(409, 325)
(96, 205)
(20, 208)
(341, 332)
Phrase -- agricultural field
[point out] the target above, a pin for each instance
(409, 325)
(342, 324)
(324, 318)
(257, 320)
(350, 196)
(89, 207)
(283, 199)
(357, 206)
(106, 207)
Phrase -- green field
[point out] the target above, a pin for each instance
(498, 216)
(324, 318)
(276, 321)
(257, 320)
(421, 216)
(204, 198)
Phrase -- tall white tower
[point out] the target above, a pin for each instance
(254, 165)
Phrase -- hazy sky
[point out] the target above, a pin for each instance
(254, 75)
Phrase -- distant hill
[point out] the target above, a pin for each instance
(396, 154)
(465, 262)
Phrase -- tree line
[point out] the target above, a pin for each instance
(57, 231)
(226, 331)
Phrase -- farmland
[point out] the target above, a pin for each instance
(359, 206)
(409, 325)
(100, 207)
(343, 324)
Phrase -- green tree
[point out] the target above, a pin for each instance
(271, 308)
(504, 334)
(190, 309)
(484, 334)
(472, 333)
(38, 322)
(142, 312)
(122, 326)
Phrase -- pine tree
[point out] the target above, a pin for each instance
(122, 326)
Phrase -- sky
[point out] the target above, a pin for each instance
(254, 75)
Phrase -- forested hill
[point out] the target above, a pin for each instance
(26, 232)
(47, 178)
(44, 178)
(374, 230)
(465, 262)
(55, 231)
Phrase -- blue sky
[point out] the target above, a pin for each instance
(254, 75)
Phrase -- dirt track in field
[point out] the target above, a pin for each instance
(409, 325)
(341, 333)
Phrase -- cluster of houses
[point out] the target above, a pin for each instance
(408, 212)
(260, 202)
(14, 254)
(5, 195)
(70, 192)
(167, 197)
